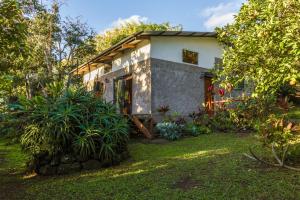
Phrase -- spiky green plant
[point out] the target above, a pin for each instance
(72, 121)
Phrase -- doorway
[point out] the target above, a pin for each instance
(123, 94)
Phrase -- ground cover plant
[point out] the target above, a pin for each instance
(174, 125)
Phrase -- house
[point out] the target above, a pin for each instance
(155, 68)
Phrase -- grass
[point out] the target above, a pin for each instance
(295, 113)
(205, 167)
(12, 165)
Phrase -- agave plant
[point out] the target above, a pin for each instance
(72, 121)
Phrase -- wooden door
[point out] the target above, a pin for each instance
(208, 92)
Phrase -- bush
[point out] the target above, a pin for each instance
(11, 121)
(169, 130)
(277, 131)
(196, 129)
(72, 123)
(279, 137)
(221, 121)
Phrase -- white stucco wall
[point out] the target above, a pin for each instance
(93, 74)
(170, 49)
(131, 57)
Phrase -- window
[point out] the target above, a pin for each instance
(189, 57)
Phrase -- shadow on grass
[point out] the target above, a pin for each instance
(212, 162)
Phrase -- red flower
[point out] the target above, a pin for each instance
(221, 92)
(210, 88)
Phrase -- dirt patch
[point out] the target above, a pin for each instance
(11, 186)
(159, 141)
(187, 183)
(244, 132)
(10, 181)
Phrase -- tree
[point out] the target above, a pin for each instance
(54, 46)
(262, 46)
(13, 33)
(37, 46)
(116, 34)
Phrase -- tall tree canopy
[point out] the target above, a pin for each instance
(37, 46)
(116, 34)
(262, 46)
(13, 30)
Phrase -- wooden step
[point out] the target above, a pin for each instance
(141, 127)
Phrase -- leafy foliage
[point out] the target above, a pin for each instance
(248, 113)
(13, 32)
(276, 130)
(169, 130)
(261, 46)
(116, 34)
(221, 121)
(38, 46)
(196, 129)
(72, 122)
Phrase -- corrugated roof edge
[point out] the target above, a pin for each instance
(148, 33)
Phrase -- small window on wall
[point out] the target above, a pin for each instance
(98, 88)
(189, 57)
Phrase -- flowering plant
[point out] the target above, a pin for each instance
(221, 92)
(210, 88)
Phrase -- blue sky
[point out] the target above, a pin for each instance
(194, 15)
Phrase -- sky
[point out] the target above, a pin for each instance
(193, 15)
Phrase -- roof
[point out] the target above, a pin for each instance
(130, 42)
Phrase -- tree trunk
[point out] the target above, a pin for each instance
(28, 86)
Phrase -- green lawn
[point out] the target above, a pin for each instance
(294, 113)
(206, 167)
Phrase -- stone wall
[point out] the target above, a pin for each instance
(177, 85)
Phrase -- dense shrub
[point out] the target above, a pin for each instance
(221, 121)
(72, 123)
(12, 122)
(169, 130)
(279, 137)
(242, 116)
(276, 131)
(196, 129)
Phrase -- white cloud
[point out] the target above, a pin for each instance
(137, 19)
(132, 19)
(221, 14)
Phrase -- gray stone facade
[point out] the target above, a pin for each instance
(177, 85)
(159, 82)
